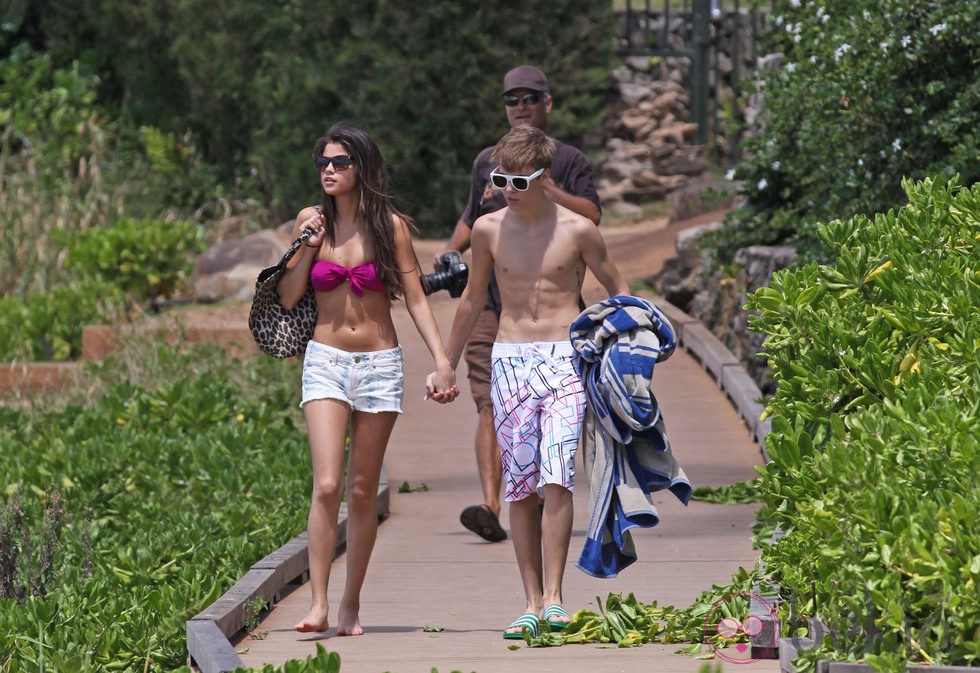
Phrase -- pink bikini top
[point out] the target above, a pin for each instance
(325, 276)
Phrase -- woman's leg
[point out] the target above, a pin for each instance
(326, 422)
(369, 439)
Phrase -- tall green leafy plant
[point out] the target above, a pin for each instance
(255, 85)
(875, 428)
(52, 163)
(869, 92)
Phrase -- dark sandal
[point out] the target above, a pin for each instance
(481, 520)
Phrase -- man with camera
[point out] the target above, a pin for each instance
(569, 183)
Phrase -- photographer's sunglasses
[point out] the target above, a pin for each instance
(341, 162)
(532, 98)
(518, 182)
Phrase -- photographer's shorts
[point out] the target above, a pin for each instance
(538, 404)
(477, 356)
(371, 381)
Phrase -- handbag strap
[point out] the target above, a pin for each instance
(294, 246)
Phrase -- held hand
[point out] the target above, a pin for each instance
(441, 386)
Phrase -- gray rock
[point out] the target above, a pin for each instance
(228, 270)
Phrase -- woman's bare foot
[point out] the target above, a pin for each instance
(349, 623)
(315, 622)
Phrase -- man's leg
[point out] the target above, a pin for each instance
(483, 519)
(525, 526)
(561, 421)
(488, 459)
(556, 532)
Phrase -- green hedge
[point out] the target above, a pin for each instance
(869, 91)
(127, 516)
(253, 84)
(108, 272)
(874, 440)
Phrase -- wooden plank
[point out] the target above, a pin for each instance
(708, 349)
(228, 612)
(267, 578)
(207, 648)
(762, 430)
(678, 319)
(744, 394)
(289, 565)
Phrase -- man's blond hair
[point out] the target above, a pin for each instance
(524, 147)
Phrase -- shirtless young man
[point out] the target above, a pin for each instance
(539, 252)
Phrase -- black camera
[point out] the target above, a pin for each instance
(452, 276)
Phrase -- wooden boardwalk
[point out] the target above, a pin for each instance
(428, 571)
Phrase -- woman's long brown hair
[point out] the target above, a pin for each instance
(375, 206)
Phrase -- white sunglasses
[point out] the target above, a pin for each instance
(518, 182)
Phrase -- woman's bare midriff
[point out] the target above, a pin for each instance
(354, 324)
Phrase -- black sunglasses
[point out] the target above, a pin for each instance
(341, 162)
(532, 98)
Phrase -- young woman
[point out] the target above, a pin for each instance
(359, 259)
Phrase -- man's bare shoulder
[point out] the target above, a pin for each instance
(490, 221)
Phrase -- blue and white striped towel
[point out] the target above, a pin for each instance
(624, 441)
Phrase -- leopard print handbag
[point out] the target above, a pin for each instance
(277, 331)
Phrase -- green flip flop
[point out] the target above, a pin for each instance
(527, 622)
(556, 610)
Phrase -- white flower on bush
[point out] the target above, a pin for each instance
(795, 4)
(897, 145)
(730, 175)
(906, 41)
(841, 50)
(761, 185)
(860, 161)
(774, 165)
(938, 28)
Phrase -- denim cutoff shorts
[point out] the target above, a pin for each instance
(371, 381)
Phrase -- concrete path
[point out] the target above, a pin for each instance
(427, 570)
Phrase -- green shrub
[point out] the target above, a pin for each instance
(869, 91)
(229, 79)
(874, 440)
(48, 326)
(142, 258)
(129, 567)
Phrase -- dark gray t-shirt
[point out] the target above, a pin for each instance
(570, 169)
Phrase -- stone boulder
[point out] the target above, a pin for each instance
(227, 271)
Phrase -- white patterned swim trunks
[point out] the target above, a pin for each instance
(538, 404)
